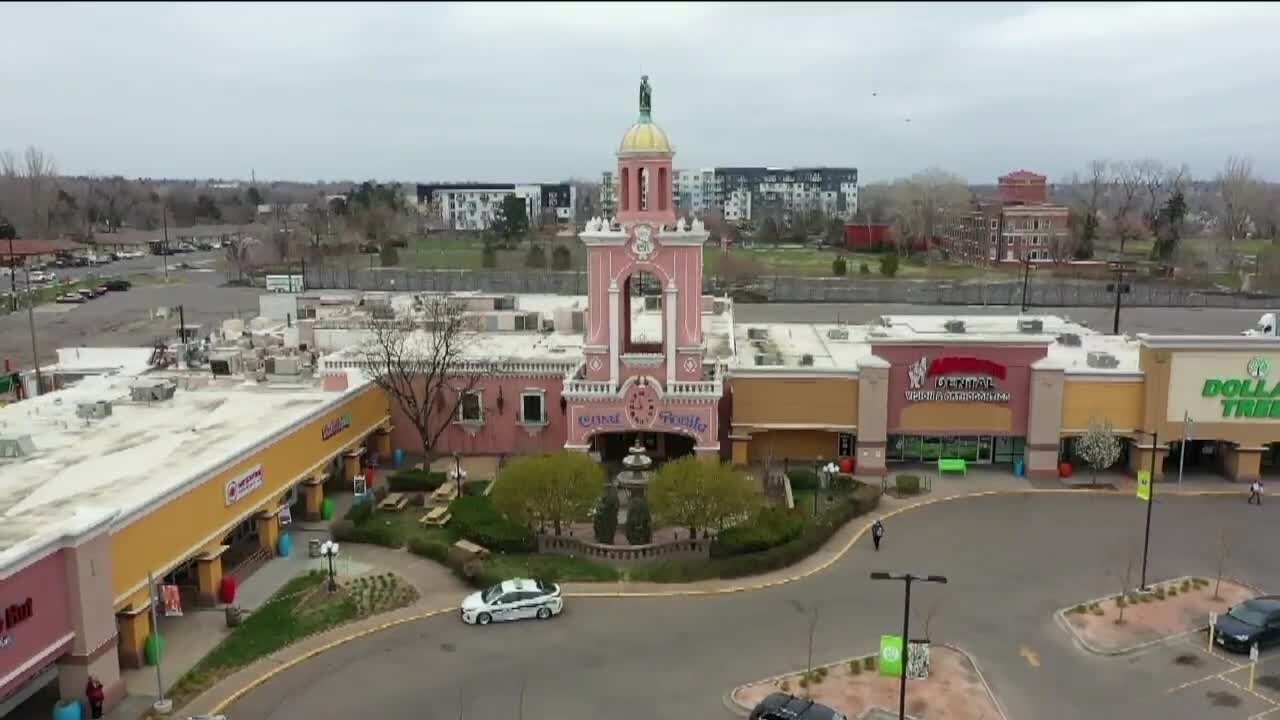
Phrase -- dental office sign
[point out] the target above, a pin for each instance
(956, 379)
(242, 485)
(1252, 396)
(692, 423)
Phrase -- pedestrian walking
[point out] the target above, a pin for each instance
(1255, 492)
(877, 532)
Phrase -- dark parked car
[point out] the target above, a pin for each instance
(117, 285)
(1255, 621)
(781, 706)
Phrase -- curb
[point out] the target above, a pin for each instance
(1060, 617)
(731, 702)
(226, 702)
(837, 556)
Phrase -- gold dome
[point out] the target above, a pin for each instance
(645, 137)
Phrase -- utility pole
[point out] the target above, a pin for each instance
(13, 277)
(31, 320)
(1119, 267)
(907, 579)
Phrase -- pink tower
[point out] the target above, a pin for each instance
(643, 366)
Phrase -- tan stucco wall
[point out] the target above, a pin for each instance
(956, 418)
(1120, 403)
(776, 445)
(794, 401)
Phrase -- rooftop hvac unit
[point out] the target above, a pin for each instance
(287, 365)
(886, 321)
(1069, 339)
(152, 391)
(838, 333)
(757, 333)
(225, 364)
(504, 302)
(768, 359)
(954, 326)
(16, 446)
(1031, 325)
(806, 360)
(93, 410)
(1099, 359)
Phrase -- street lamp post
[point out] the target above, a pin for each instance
(907, 579)
(1119, 267)
(329, 549)
(458, 474)
(1151, 499)
(818, 477)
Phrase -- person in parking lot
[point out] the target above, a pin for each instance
(877, 532)
(1255, 492)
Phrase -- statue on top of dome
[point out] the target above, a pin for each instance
(646, 95)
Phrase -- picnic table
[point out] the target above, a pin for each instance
(394, 502)
(446, 492)
(439, 516)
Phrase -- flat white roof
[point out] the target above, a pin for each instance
(794, 347)
(140, 453)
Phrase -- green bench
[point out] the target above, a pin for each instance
(951, 465)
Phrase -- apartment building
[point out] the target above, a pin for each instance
(1017, 225)
(1035, 233)
(472, 206)
(833, 190)
(608, 194)
(694, 190)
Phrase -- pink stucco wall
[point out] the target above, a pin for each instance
(501, 433)
(1017, 361)
(45, 583)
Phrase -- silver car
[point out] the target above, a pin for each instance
(516, 599)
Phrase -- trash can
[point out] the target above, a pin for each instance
(68, 710)
(313, 547)
(285, 546)
(1019, 468)
(153, 650)
(397, 457)
(327, 509)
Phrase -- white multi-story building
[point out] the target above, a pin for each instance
(472, 206)
(694, 190)
(737, 205)
(608, 193)
(834, 191)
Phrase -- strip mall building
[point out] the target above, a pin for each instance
(176, 476)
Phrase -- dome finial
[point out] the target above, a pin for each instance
(646, 99)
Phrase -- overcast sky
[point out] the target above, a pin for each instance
(312, 91)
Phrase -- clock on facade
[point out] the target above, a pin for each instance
(643, 246)
(642, 404)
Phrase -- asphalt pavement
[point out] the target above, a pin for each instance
(1011, 560)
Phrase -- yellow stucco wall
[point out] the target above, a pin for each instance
(174, 531)
(1120, 403)
(807, 401)
(797, 444)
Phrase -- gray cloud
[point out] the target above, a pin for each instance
(525, 91)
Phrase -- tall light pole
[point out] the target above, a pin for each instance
(907, 579)
(1151, 498)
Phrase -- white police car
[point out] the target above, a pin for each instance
(515, 599)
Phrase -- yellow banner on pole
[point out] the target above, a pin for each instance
(1144, 485)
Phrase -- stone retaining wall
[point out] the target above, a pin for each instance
(625, 554)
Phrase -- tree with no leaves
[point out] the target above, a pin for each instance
(1126, 181)
(1126, 580)
(1099, 447)
(31, 181)
(1238, 187)
(811, 614)
(239, 253)
(419, 361)
(1224, 551)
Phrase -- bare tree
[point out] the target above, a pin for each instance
(812, 614)
(923, 204)
(1126, 181)
(930, 615)
(1153, 176)
(420, 361)
(1237, 185)
(32, 181)
(1224, 551)
(1126, 580)
(239, 253)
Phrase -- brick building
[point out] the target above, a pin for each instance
(1023, 187)
(1018, 225)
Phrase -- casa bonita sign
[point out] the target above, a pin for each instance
(335, 426)
(693, 423)
(1249, 397)
(955, 379)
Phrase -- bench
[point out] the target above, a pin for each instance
(439, 516)
(951, 465)
(446, 492)
(394, 502)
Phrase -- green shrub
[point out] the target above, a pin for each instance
(769, 527)
(415, 481)
(839, 267)
(371, 534)
(843, 482)
(803, 478)
(475, 488)
(869, 663)
(561, 258)
(639, 528)
(433, 549)
(855, 667)
(907, 484)
(864, 269)
(863, 499)
(536, 258)
(475, 519)
(489, 256)
(889, 264)
(360, 512)
(605, 521)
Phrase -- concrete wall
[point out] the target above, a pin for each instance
(1041, 293)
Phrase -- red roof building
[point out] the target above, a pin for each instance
(1022, 187)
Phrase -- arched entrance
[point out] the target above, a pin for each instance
(661, 446)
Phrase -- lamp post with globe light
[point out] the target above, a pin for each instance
(329, 549)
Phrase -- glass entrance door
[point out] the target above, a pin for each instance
(984, 449)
